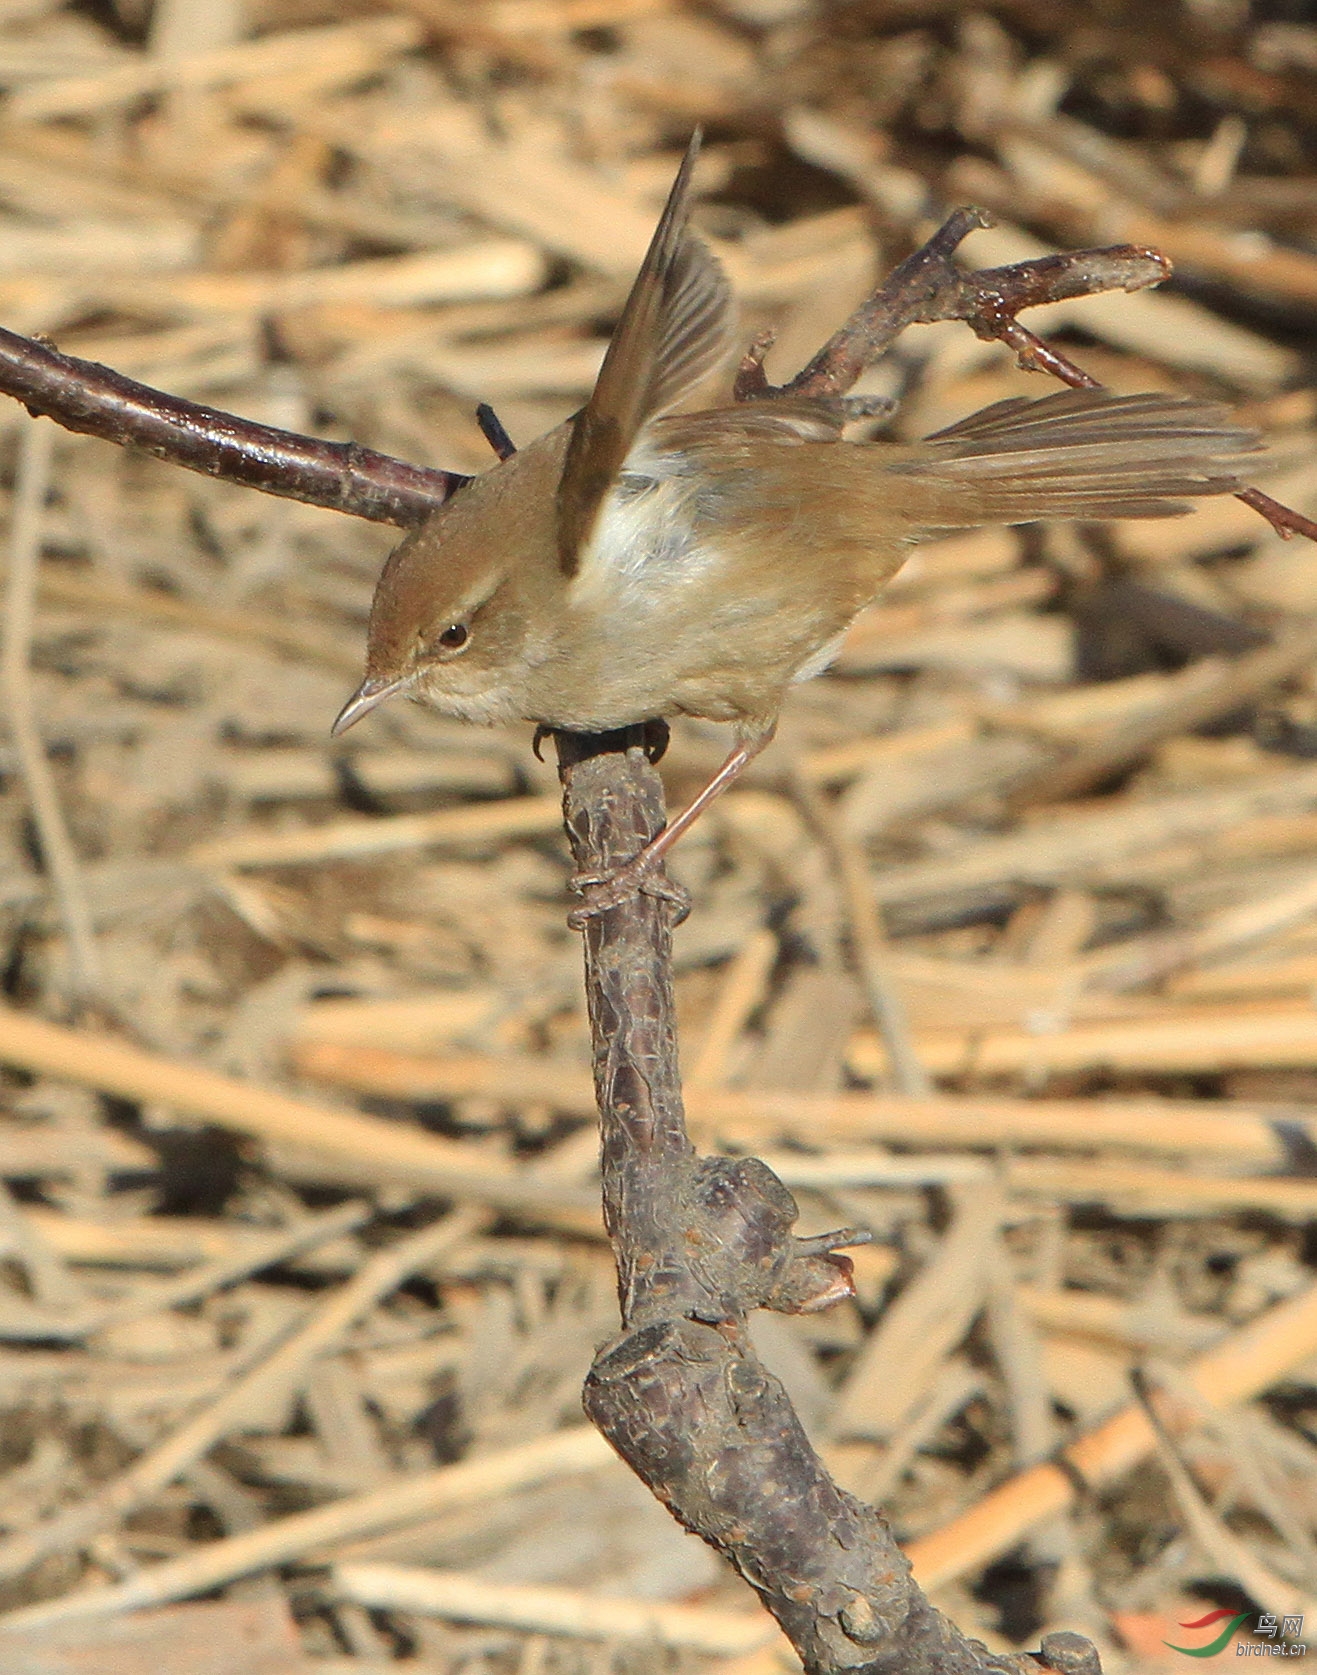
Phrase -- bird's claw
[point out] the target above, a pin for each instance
(638, 877)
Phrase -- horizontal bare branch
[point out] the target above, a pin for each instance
(94, 400)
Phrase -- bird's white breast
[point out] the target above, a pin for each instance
(645, 542)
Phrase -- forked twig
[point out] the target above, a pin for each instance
(928, 286)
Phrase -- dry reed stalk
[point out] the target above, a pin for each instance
(376, 1150)
(1137, 1189)
(1225, 1129)
(308, 1534)
(740, 993)
(86, 976)
(561, 1611)
(482, 824)
(84, 1319)
(1186, 1040)
(271, 1382)
(1241, 1366)
(1094, 846)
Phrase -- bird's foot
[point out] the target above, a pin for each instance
(641, 876)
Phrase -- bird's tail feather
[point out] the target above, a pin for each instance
(1078, 454)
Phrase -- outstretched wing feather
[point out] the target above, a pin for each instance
(675, 328)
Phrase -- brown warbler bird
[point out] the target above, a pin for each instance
(637, 562)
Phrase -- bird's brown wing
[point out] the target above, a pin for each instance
(716, 432)
(675, 328)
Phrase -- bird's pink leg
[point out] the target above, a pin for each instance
(642, 874)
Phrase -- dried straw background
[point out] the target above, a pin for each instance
(236, 1351)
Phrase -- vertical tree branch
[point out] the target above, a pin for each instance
(699, 1242)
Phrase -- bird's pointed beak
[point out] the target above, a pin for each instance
(368, 695)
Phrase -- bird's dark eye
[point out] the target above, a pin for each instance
(455, 636)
